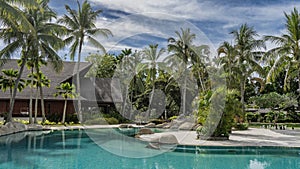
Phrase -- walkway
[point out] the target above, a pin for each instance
(251, 137)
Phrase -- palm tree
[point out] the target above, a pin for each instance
(80, 25)
(40, 41)
(200, 59)
(14, 33)
(286, 55)
(227, 60)
(247, 54)
(66, 91)
(152, 54)
(182, 48)
(7, 81)
(38, 80)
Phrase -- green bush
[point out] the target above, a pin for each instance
(103, 121)
(47, 122)
(173, 118)
(112, 120)
(241, 126)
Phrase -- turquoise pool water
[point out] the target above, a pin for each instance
(75, 149)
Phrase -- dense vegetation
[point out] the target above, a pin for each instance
(255, 76)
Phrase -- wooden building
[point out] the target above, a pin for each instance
(94, 92)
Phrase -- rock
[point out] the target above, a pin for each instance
(167, 126)
(175, 124)
(150, 125)
(196, 126)
(145, 131)
(125, 126)
(4, 130)
(167, 138)
(19, 126)
(186, 126)
(34, 127)
(162, 125)
(10, 125)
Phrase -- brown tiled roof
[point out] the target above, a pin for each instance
(69, 70)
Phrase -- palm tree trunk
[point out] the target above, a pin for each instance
(36, 105)
(125, 101)
(79, 113)
(12, 103)
(201, 82)
(42, 104)
(30, 99)
(299, 91)
(39, 82)
(184, 97)
(243, 96)
(64, 112)
(150, 101)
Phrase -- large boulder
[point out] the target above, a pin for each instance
(19, 126)
(186, 126)
(143, 131)
(163, 125)
(150, 125)
(125, 126)
(166, 141)
(4, 130)
(167, 138)
(35, 127)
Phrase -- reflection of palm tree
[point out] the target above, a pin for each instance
(286, 56)
(152, 54)
(80, 25)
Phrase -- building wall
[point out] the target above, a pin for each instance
(51, 106)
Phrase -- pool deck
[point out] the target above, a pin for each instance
(250, 137)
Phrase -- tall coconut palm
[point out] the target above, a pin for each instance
(46, 44)
(151, 55)
(40, 40)
(14, 32)
(200, 59)
(81, 27)
(182, 48)
(38, 80)
(287, 53)
(66, 90)
(246, 47)
(227, 60)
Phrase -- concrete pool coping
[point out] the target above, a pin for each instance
(250, 137)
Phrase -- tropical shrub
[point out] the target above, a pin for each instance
(241, 126)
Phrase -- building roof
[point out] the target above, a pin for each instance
(67, 74)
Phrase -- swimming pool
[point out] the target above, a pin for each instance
(76, 149)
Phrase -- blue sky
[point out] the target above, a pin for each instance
(137, 23)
